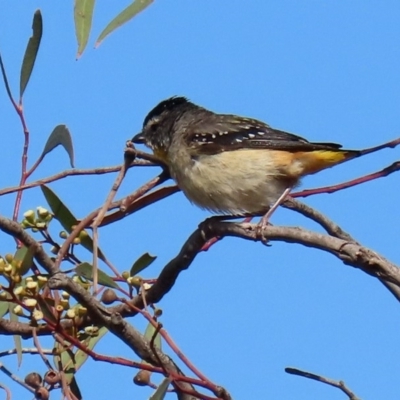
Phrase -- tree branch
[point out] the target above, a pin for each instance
(338, 384)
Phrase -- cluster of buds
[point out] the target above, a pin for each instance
(27, 294)
(78, 239)
(37, 221)
(135, 281)
(9, 268)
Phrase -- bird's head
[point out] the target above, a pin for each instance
(158, 125)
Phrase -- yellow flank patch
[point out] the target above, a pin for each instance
(318, 160)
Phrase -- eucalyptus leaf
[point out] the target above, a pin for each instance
(6, 84)
(60, 136)
(24, 255)
(83, 15)
(66, 218)
(17, 338)
(149, 334)
(124, 16)
(75, 389)
(81, 356)
(141, 263)
(4, 306)
(46, 306)
(160, 392)
(86, 270)
(31, 52)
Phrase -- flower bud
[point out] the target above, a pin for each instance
(30, 216)
(30, 303)
(42, 212)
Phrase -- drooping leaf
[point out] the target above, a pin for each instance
(25, 256)
(83, 14)
(149, 334)
(81, 356)
(160, 392)
(75, 389)
(46, 306)
(60, 136)
(124, 16)
(4, 306)
(65, 360)
(70, 361)
(66, 218)
(141, 263)
(60, 211)
(17, 338)
(31, 51)
(3, 72)
(86, 270)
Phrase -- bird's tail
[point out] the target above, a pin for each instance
(317, 160)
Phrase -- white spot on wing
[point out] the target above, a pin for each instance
(251, 135)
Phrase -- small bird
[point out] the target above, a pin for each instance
(232, 165)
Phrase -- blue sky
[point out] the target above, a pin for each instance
(328, 71)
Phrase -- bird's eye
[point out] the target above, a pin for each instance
(152, 125)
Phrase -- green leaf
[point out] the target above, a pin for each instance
(70, 362)
(46, 306)
(65, 361)
(60, 136)
(73, 361)
(160, 392)
(3, 72)
(81, 356)
(17, 338)
(31, 51)
(26, 256)
(66, 218)
(124, 16)
(4, 306)
(141, 263)
(149, 333)
(75, 389)
(83, 14)
(86, 270)
(60, 211)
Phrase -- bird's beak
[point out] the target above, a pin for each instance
(138, 138)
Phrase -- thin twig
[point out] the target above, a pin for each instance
(338, 384)
(311, 213)
(391, 144)
(354, 182)
(40, 350)
(99, 217)
(73, 172)
(164, 334)
(25, 350)
(7, 390)
(15, 378)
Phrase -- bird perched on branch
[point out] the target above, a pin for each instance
(229, 164)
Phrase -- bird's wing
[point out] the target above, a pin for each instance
(228, 132)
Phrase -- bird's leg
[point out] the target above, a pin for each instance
(264, 220)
